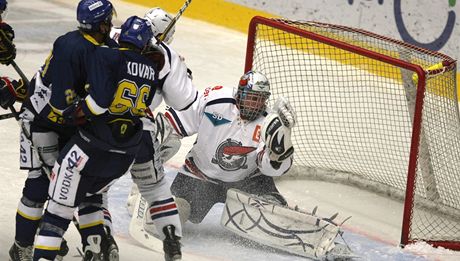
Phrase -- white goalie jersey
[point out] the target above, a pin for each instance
(227, 148)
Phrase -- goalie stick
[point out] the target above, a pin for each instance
(137, 230)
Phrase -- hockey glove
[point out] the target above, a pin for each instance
(7, 48)
(276, 131)
(11, 91)
(285, 111)
(73, 115)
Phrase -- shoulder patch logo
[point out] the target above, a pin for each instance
(216, 118)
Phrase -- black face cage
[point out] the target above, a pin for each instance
(251, 103)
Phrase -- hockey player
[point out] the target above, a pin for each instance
(43, 125)
(110, 133)
(159, 20)
(160, 192)
(147, 172)
(229, 151)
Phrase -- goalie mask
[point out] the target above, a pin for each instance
(252, 95)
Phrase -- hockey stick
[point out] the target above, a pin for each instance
(19, 71)
(137, 230)
(6, 116)
(173, 22)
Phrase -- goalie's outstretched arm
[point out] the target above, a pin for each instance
(275, 151)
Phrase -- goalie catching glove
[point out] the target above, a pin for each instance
(276, 131)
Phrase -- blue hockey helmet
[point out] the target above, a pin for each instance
(136, 31)
(3, 5)
(91, 13)
(3, 9)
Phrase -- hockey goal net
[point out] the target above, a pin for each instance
(378, 112)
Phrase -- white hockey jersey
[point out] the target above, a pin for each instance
(177, 89)
(227, 148)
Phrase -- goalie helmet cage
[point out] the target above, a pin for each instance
(374, 111)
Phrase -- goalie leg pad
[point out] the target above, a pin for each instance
(280, 227)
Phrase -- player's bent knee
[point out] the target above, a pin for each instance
(60, 210)
(145, 173)
(29, 209)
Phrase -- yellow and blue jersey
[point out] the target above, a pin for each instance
(121, 88)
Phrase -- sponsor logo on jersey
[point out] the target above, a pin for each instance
(209, 89)
(231, 155)
(216, 118)
(65, 182)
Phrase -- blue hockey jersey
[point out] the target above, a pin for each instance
(120, 88)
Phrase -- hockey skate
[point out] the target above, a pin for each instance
(20, 253)
(91, 256)
(101, 250)
(112, 247)
(171, 244)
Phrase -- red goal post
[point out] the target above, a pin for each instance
(373, 111)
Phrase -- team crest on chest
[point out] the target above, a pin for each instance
(231, 155)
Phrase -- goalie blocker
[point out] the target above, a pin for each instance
(284, 228)
(276, 131)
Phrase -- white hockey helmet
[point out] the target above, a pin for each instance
(252, 95)
(160, 20)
